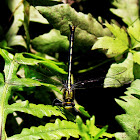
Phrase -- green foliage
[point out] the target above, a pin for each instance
(81, 109)
(64, 128)
(12, 82)
(90, 131)
(121, 44)
(24, 72)
(127, 10)
(44, 43)
(121, 73)
(114, 46)
(50, 131)
(130, 121)
(87, 30)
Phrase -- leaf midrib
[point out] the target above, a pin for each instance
(3, 101)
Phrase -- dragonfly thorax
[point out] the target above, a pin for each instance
(68, 94)
(68, 97)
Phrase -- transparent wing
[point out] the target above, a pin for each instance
(116, 77)
(45, 76)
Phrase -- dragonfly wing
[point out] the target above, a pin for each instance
(117, 77)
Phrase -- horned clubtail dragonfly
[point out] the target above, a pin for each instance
(68, 94)
(115, 79)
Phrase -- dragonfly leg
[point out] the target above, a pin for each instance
(57, 102)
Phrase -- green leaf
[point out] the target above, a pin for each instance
(3, 45)
(10, 72)
(97, 132)
(13, 80)
(11, 83)
(90, 131)
(134, 88)
(136, 57)
(16, 8)
(121, 136)
(50, 42)
(68, 114)
(114, 46)
(131, 126)
(35, 110)
(87, 28)
(38, 60)
(118, 33)
(101, 132)
(19, 58)
(49, 132)
(128, 10)
(82, 110)
(52, 65)
(83, 130)
(27, 82)
(120, 74)
(130, 121)
(35, 16)
(134, 32)
(51, 68)
(17, 40)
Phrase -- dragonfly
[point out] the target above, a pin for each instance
(68, 94)
(68, 87)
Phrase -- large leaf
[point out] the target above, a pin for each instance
(35, 110)
(49, 132)
(120, 74)
(51, 65)
(64, 129)
(128, 10)
(130, 121)
(114, 45)
(50, 42)
(87, 28)
(11, 82)
(134, 32)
